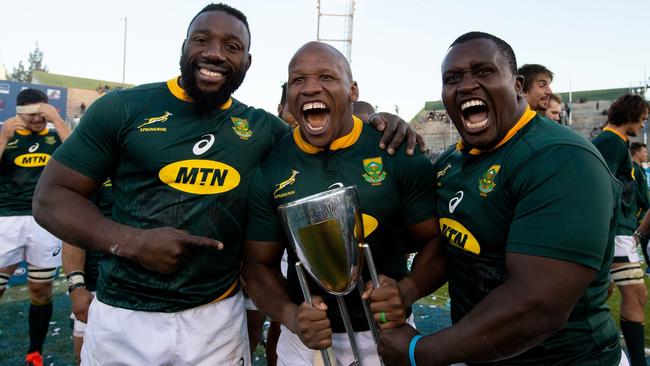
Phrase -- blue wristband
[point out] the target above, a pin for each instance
(414, 341)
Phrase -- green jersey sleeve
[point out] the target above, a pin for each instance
(562, 198)
(93, 147)
(263, 220)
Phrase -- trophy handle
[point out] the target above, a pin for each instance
(371, 265)
(305, 292)
(366, 306)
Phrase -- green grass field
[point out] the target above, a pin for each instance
(431, 315)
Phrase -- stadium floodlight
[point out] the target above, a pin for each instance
(348, 19)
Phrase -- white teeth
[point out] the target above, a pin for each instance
(477, 124)
(471, 103)
(210, 73)
(313, 105)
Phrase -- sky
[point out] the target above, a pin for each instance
(397, 46)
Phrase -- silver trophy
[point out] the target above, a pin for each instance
(326, 232)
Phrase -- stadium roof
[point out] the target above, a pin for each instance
(65, 81)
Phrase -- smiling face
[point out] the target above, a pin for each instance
(320, 93)
(482, 96)
(539, 93)
(34, 122)
(215, 58)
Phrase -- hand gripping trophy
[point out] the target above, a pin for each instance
(326, 232)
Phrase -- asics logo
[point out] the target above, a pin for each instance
(204, 144)
(453, 203)
(33, 147)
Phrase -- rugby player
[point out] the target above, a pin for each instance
(331, 147)
(81, 270)
(26, 144)
(639, 152)
(537, 86)
(554, 110)
(527, 246)
(179, 154)
(626, 117)
(362, 109)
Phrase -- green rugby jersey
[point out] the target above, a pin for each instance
(170, 166)
(525, 196)
(394, 192)
(615, 149)
(103, 199)
(22, 163)
(642, 198)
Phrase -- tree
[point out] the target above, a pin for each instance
(19, 73)
(35, 63)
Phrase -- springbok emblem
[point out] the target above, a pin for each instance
(288, 182)
(162, 118)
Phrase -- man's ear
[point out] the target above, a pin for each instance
(519, 86)
(249, 61)
(354, 92)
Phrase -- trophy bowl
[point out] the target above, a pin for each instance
(326, 232)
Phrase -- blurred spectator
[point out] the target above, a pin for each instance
(537, 85)
(554, 109)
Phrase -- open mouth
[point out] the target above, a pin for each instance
(475, 114)
(316, 116)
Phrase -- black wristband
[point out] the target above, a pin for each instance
(75, 286)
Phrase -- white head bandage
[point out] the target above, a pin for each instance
(28, 109)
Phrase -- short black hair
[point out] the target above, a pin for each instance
(530, 72)
(628, 108)
(502, 46)
(636, 146)
(30, 96)
(226, 9)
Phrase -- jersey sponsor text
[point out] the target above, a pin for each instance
(458, 235)
(200, 176)
(32, 160)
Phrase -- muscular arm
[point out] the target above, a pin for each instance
(74, 259)
(428, 271)
(62, 207)
(265, 284)
(534, 302)
(268, 289)
(61, 199)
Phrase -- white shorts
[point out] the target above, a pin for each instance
(21, 238)
(625, 247)
(292, 352)
(211, 334)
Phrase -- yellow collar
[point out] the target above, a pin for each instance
(179, 92)
(528, 115)
(42, 132)
(340, 143)
(623, 137)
